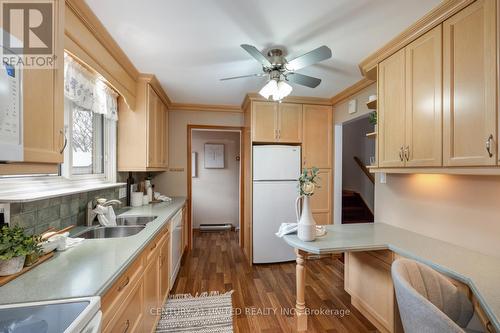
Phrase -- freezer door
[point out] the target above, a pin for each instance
(273, 204)
(276, 162)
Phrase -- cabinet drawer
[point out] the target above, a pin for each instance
(120, 290)
(129, 317)
(386, 256)
(153, 247)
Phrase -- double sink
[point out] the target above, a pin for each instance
(125, 226)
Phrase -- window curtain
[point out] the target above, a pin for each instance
(87, 91)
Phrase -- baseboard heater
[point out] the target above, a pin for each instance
(215, 227)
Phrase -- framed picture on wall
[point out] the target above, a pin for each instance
(214, 156)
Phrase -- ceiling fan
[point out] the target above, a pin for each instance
(280, 70)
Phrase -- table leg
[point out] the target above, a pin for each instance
(300, 306)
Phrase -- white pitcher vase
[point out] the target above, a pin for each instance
(306, 225)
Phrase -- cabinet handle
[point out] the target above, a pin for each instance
(63, 133)
(407, 153)
(401, 154)
(153, 247)
(127, 325)
(124, 284)
(488, 145)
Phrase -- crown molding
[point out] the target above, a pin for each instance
(91, 22)
(205, 107)
(352, 90)
(435, 17)
(156, 85)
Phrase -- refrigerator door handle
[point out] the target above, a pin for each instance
(297, 208)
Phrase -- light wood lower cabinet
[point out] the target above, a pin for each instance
(321, 201)
(132, 304)
(368, 281)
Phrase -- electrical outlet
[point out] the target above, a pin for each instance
(383, 178)
(122, 192)
(5, 213)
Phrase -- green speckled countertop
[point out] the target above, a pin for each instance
(90, 268)
(479, 271)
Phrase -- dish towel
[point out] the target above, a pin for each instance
(291, 228)
(105, 215)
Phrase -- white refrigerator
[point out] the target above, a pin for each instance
(275, 173)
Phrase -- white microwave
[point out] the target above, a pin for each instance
(11, 110)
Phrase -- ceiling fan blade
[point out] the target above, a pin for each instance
(252, 50)
(242, 76)
(304, 80)
(310, 58)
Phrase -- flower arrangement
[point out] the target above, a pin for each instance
(308, 181)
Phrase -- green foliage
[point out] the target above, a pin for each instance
(308, 181)
(14, 243)
(372, 118)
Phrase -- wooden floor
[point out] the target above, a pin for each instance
(264, 295)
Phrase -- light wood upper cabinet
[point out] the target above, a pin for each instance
(469, 84)
(264, 121)
(289, 123)
(391, 110)
(276, 122)
(43, 104)
(143, 132)
(423, 130)
(317, 132)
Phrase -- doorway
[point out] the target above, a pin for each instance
(215, 185)
(354, 184)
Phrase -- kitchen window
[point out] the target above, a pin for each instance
(90, 116)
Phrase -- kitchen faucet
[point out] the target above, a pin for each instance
(102, 202)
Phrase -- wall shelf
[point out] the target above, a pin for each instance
(371, 135)
(372, 105)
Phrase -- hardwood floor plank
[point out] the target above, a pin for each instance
(264, 295)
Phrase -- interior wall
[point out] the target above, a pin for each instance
(341, 110)
(355, 143)
(463, 210)
(174, 181)
(215, 192)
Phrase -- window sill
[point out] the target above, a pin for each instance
(39, 188)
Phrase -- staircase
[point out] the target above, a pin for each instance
(354, 209)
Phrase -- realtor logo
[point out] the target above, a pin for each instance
(28, 32)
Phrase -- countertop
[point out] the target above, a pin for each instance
(479, 271)
(90, 268)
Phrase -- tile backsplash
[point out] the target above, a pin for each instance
(58, 212)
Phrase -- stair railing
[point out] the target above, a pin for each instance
(364, 169)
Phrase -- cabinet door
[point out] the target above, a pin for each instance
(159, 133)
(43, 103)
(151, 293)
(321, 201)
(391, 110)
(290, 123)
(469, 86)
(129, 316)
(317, 136)
(264, 121)
(165, 136)
(164, 267)
(152, 121)
(423, 144)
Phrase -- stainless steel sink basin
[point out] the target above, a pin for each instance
(134, 220)
(111, 232)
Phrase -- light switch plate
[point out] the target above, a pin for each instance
(122, 192)
(5, 210)
(383, 178)
(351, 106)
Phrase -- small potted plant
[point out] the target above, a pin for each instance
(34, 249)
(14, 247)
(372, 119)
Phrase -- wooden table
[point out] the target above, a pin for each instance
(479, 271)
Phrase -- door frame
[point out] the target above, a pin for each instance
(190, 129)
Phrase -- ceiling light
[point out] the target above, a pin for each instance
(269, 89)
(277, 89)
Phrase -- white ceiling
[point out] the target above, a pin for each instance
(190, 44)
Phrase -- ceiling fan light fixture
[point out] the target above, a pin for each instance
(269, 89)
(284, 89)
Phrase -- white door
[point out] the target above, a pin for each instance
(273, 204)
(276, 162)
